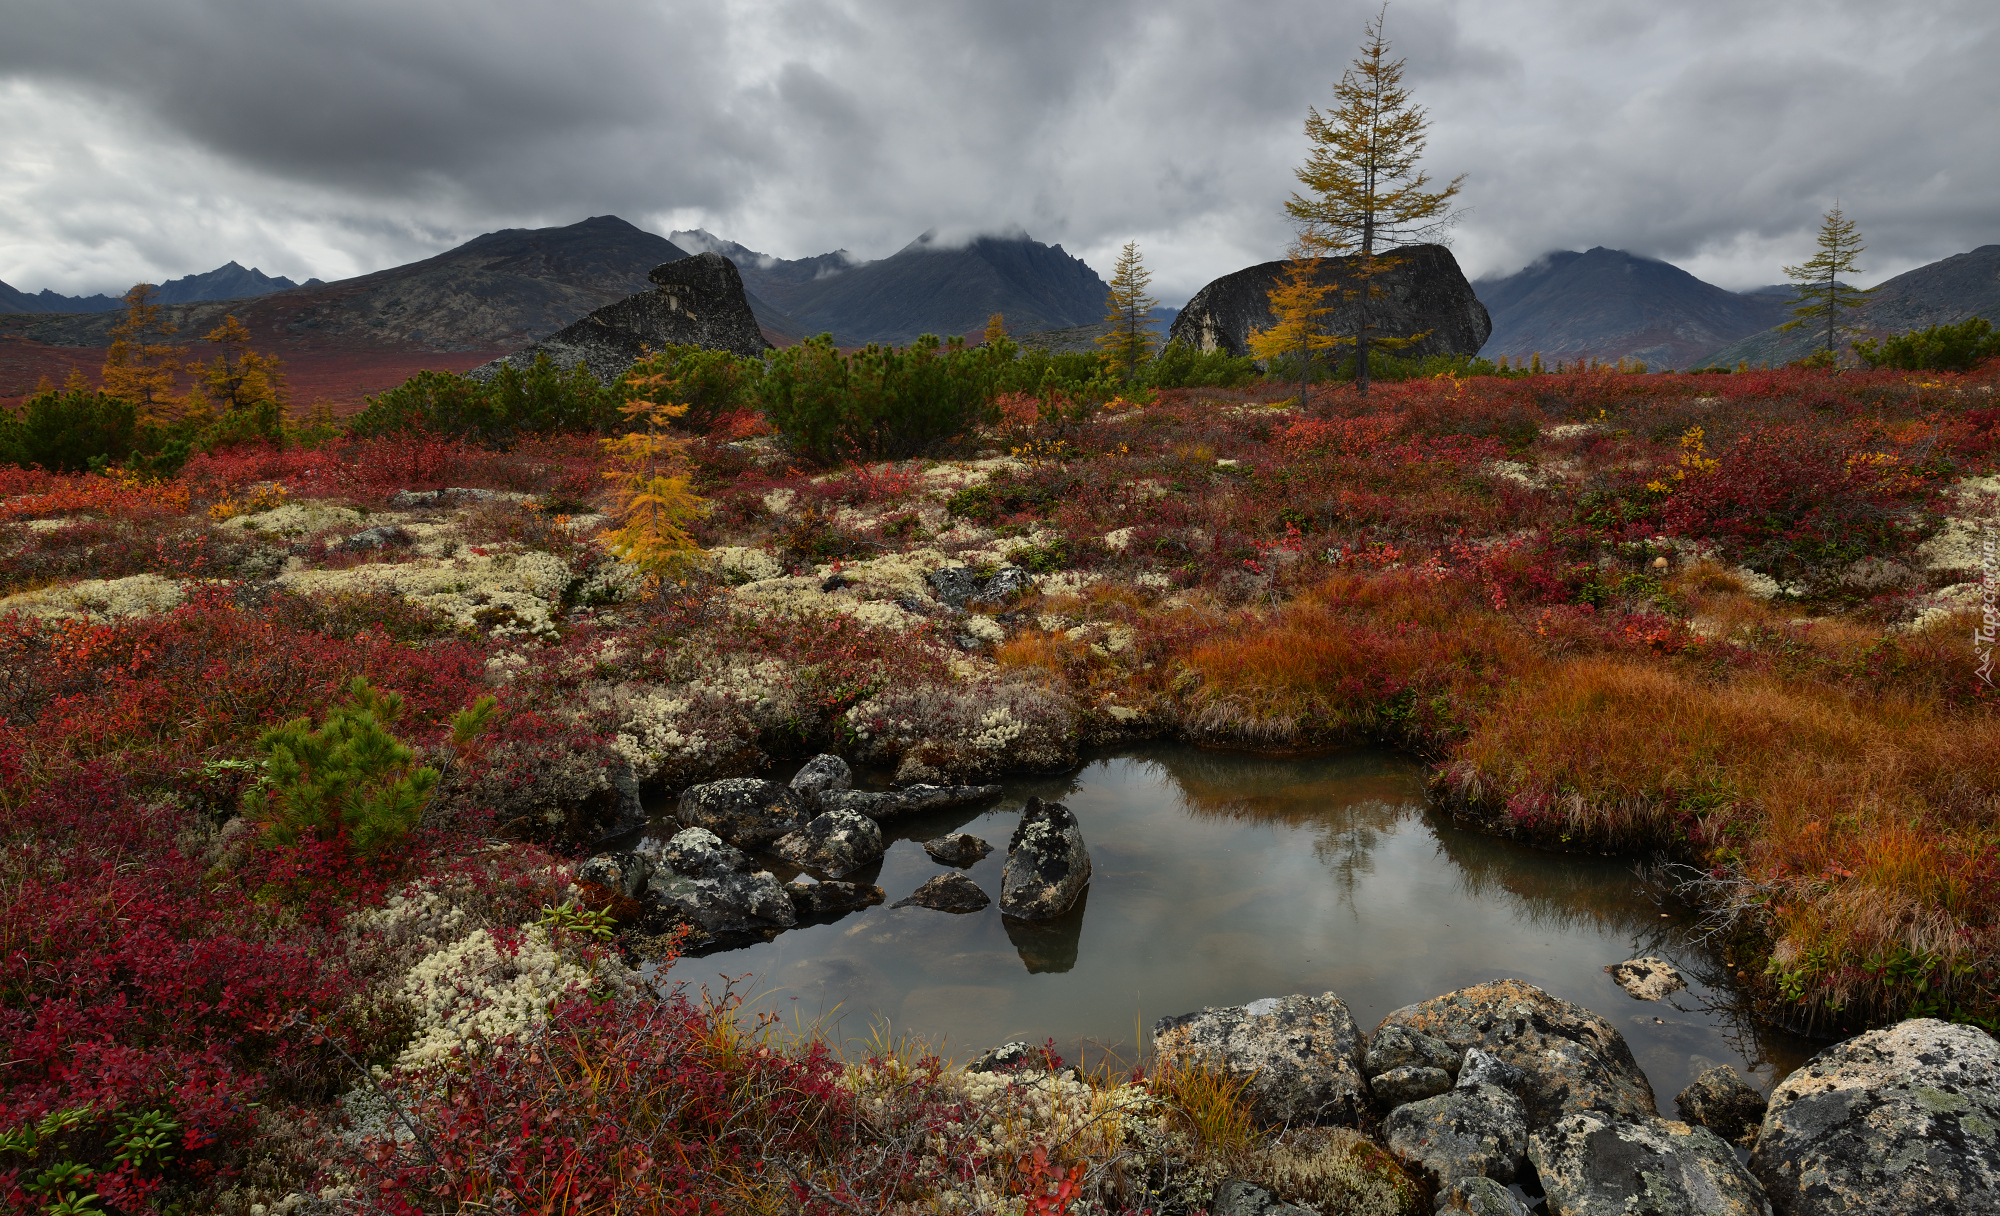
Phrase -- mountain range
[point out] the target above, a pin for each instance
(230, 281)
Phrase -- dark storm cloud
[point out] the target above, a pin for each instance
(158, 138)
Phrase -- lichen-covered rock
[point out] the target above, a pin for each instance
(1647, 979)
(1572, 1059)
(1400, 1047)
(834, 843)
(620, 873)
(1477, 1130)
(1047, 863)
(1900, 1120)
(1001, 590)
(827, 898)
(1019, 1056)
(1239, 1198)
(748, 812)
(957, 849)
(1332, 1170)
(1484, 1068)
(1301, 1054)
(1410, 1083)
(1477, 1196)
(694, 853)
(1593, 1164)
(881, 805)
(947, 893)
(1724, 1103)
(820, 775)
(732, 902)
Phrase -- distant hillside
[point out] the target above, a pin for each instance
(227, 282)
(13, 301)
(1606, 304)
(1943, 292)
(778, 280)
(1084, 337)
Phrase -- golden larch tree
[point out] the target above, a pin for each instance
(650, 496)
(1822, 295)
(238, 378)
(1299, 301)
(1128, 309)
(137, 368)
(1364, 189)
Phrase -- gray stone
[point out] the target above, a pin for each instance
(728, 903)
(1410, 1083)
(1483, 1068)
(1478, 1196)
(1425, 297)
(388, 536)
(1901, 1120)
(954, 584)
(958, 849)
(618, 872)
(697, 301)
(1724, 1103)
(694, 853)
(947, 893)
(1647, 979)
(748, 812)
(1300, 1054)
(1572, 1059)
(408, 499)
(1016, 1056)
(1400, 1047)
(1592, 1164)
(834, 843)
(887, 804)
(821, 774)
(826, 898)
(1006, 585)
(1047, 863)
(1478, 1130)
(1239, 1198)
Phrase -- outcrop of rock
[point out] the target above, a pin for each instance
(748, 812)
(1478, 1197)
(822, 774)
(1425, 293)
(1480, 1130)
(957, 849)
(1724, 1103)
(1411, 1083)
(705, 882)
(1301, 1054)
(947, 893)
(962, 586)
(1396, 1047)
(1592, 1164)
(827, 898)
(1901, 1120)
(1647, 979)
(834, 843)
(696, 301)
(1047, 864)
(1572, 1059)
(887, 804)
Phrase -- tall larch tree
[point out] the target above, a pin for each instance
(1822, 295)
(237, 378)
(137, 368)
(1301, 331)
(1129, 310)
(1364, 191)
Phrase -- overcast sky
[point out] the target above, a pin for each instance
(156, 138)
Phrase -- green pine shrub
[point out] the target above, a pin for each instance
(1956, 348)
(880, 402)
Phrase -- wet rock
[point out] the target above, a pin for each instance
(1477, 1130)
(1592, 1164)
(947, 893)
(834, 843)
(748, 812)
(1239, 1198)
(1400, 1047)
(1572, 1060)
(887, 804)
(620, 873)
(1410, 1083)
(1900, 1120)
(1477, 1196)
(826, 898)
(958, 849)
(821, 774)
(695, 853)
(1047, 864)
(1724, 1103)
(1002, 589)
(1302, 1055)
(704, 882)
(624, 810)
(1482, 1068)
(1648, 979)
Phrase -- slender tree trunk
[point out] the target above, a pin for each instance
(1830, 298)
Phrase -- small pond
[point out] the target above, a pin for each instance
(1221, 878)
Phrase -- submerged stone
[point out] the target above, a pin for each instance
(1047, 864)
(947, 893)
(1648, 979)
(958, 849)
(748, 812)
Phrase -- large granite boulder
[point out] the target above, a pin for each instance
(1396, 1047)
(821, 774)
(1475, 1130)
(696, 301)
(1724, 1103)
(1425, 293)
(834, 843)
(1592, 1164)
(1047, 864)
(1410, 1083)
(748, 812)
(619, 873)
(1902, 1120)
(1301, 1054)
(1572, 1059)
(699, 879)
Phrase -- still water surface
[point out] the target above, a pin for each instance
(1221, 878)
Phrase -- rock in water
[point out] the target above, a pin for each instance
(1302, 1055)
(1477, 1130)
(1426, 294)
(821, 774)
(1573, 1059)
(1047, 865)
(1724, 1103)
(1648, 979)
(1895, 1121)
(748, 812)
(620, 873)
(947, 893)
(825, 898)
(834, 843)
(698, 301)
(957, 849)
(887, 804)
(1592, 1164)
(701, 881)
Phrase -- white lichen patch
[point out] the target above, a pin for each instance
(1515, 471)
(501, 593)
(1972, 516)
(1575, 430)
(476, 991)
(305, 516)
(99, 599)
(742, 564)
(952, 476)
(1116, 541)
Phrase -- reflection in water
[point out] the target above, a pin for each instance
(1218, 879)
